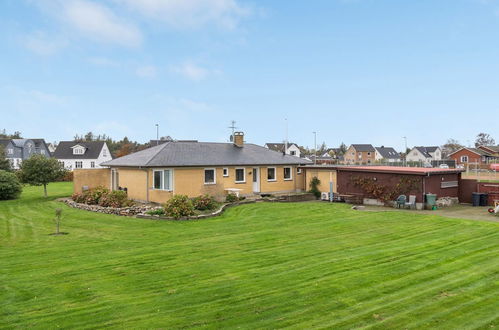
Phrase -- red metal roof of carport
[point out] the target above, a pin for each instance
(390, 169)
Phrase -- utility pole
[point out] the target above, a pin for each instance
(315, 148)
(157, 134)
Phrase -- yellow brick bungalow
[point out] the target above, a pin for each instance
(194, 168)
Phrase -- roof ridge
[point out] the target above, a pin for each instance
(163, 146)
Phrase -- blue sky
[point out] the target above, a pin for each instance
(357, 71)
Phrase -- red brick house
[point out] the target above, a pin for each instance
(465, 156)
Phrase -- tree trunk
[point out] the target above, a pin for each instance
(57, 230)
(45, 189)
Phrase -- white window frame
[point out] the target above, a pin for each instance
(275, 174)
(162, 185)
(290, 173)
(10, 151)
(214, 176)
(78, 162)
(225, 171)
(92, 164)
(463, 159)
(78, 151)
(298, 171)
(244, 174)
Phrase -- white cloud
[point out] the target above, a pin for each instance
(193, 71)
(147, 71)
(103, 61)
(41, 44)
(99, 23)
(191, 13)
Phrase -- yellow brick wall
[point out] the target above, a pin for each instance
(91, 178)
(324, 175)
(190, 182)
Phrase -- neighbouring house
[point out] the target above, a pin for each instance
(493, 150)
(424, 154)
(395, 180)
(292, 148)
(387, 154)
(196, 168)
(51, 147)
(360, 154)
(332, 152)
(82, 155)
(17, 150)
(477, 156)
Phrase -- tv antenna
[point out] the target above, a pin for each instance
(233, 127)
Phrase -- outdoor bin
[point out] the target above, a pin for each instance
(484, 198)
(475, 198)
(431, 200)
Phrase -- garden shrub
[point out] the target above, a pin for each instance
(10, 188)
(204, 202)
(103, 197)
(159, 211)
(314, 187)
(231, 198)
(179, 206)
(117, 198)
(94, 195)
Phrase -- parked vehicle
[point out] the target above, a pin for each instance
(494, 167)
(444, 166)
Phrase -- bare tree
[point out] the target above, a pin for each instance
(484, 139)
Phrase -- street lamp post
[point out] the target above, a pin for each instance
(315, 148)
(405, 151)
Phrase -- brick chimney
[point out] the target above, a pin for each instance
(239, 139)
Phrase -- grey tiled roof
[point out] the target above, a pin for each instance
(178, 154)
(363, 147)
(426, 150)
(64, 151)
(388, 152)
(279, 146)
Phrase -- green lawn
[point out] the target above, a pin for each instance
(264, 265)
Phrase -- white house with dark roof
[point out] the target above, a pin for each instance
(292, 148)
(387, 154)
(424, 154)
(82, 155)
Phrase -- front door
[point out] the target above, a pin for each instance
(256, 180)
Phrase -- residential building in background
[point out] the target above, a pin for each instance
(424, 154)
(360, 154)
(17, 150)
(292, 149)
(82, 155)
(477, 156)
(387, 154)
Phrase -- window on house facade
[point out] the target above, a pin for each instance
(298, 171)
(292, 153)
(287, 173)
(271, 174)
(61, 163)
(369, 154)
(240, 175)
(78, 151)
(209, 176)
(225, 171)
(464, 159)
(78, 164)
(10, 151)
(92, 164)
(163, 179)
(104, 152)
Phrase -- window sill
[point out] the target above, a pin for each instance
(209, 183)
(272, 180)
(239, 182)
(288, 179)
